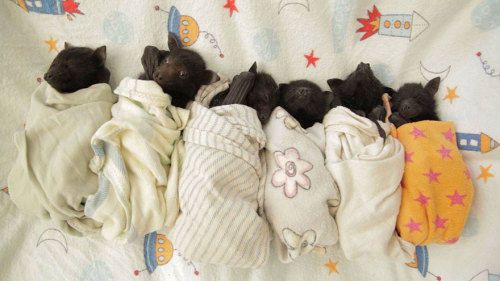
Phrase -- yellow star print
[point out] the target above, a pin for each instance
(332, 266)
(52, 44)
(485, 173)
(451, 94)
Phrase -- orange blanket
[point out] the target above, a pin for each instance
(437, 188)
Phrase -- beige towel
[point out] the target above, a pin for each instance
(50, 177)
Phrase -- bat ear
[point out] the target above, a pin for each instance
(334, 82)
(100, 54)
(173, 42)
(253, 68)
(67, 45)
(151, 58)
(208, 77)
(433, 85)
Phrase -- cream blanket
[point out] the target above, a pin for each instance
(301, 197)
(50, 177)
(138, 155)
(221, 189)
(368, 172)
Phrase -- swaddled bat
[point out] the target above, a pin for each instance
(361, 92)
(305, 101)
(411, 103)
(75, 68)
(179, 72)
(258, 90)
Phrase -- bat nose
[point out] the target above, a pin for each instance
(48, 76)
(303, 92)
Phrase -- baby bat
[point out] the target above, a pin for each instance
(361, 91)
(258, 90)
(179, 72)
(414, 102)
(75, 68)
(305, 101)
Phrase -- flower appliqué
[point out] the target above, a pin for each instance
(289, 121)
(301, 244)
(291, 172)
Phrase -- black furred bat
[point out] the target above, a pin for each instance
(305, 101)
(179, 72)
(258, 90)
(413, 102)
(75, 68)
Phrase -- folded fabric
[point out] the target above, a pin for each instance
(50, 177)
(138, 155)
(207, 92)
(437, 188)
(301, 197)
(368, 172)
(221, 188)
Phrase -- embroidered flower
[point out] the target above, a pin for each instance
(289, 121)
(301, 244)
(291, 172)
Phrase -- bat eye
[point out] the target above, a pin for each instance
(183, 74)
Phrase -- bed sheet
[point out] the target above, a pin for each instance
(404, 41)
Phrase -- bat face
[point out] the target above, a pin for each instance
(305, 101)
(179, 72)
(75, 68)
(415, 102)
(361, 91)
(264, 96)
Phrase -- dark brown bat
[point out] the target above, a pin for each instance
(305, 101)
(258, 90)
(180, 72)
(75, 68)
(414, 102)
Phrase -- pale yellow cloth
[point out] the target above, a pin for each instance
(138, 156)
(50, 177)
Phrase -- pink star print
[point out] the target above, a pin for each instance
(408, 156)
(444, 152)
(422, 199)
(413, 225)
(440, 222)
(457, 198)
(432, 176)
(449, 135)
(417, 133)
(231, 6)
(467, 173)
(452, 241)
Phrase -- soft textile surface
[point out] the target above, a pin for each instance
(221, 188)
(51, 177)
(438, 191)
(315, 40)
(138, 156)
(301, 197)
(368, 171)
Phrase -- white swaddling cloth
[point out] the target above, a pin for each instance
(138, 155)
(50, 177)
(368, 172)
(301, 197)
